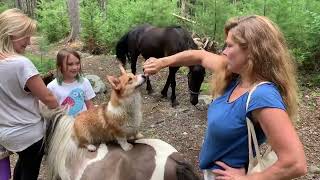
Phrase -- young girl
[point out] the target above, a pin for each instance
(73, 91)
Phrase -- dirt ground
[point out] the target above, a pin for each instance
(184, 126)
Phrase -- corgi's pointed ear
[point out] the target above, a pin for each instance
(114, 82)
(123, 71)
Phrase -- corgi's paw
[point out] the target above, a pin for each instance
(91, 148)
(139, 135)
(124, 143)
(126, 147)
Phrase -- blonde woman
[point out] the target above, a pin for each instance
(21, 88)
(256, 51)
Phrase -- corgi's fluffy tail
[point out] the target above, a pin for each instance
(62, 148)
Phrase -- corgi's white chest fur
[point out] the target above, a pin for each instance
(129, 107)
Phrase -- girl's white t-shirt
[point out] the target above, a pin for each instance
(73, 95)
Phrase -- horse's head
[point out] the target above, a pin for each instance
(195, 79)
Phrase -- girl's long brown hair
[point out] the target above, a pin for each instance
(268, 60)
(62, 56)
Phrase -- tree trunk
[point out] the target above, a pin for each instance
(31, 6)
(17, 4)
(27, 6)
(74, 16)
(215, 18)
(184, 8)
(264, 7)
(102, 4)
(103, 7)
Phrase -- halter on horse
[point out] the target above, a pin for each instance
(151, 41)
(150, 159)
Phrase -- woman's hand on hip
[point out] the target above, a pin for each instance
(229, 173)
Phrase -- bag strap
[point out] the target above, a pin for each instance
(251, 132)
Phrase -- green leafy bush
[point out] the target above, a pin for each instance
(53, 19)
(105, 28)
(43, 64)
(299, 21)
(4, 5)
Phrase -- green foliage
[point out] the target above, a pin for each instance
(92, 20)
(105, 28)
(53, 19)
(43, 64)
(211, 16)
(183, 70)
(299, 21)
(205, 88)
(5, 4)
(313, 37)
(308, 79)
(43, 45)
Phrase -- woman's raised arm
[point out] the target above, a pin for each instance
(208, 60)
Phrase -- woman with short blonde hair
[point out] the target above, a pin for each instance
(21, 87)
(13, 23)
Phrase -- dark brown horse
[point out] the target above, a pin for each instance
(149, 159)
(151, 41)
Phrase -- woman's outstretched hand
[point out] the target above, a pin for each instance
(152, 66)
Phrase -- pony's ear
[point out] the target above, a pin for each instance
(114, 82)
(123, 71)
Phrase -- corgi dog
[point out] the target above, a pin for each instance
(117, 120)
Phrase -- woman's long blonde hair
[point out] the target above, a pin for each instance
(268, 57)
(13, 22)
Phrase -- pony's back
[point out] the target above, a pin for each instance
(180, 39)
(187, 39)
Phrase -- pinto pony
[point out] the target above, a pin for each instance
(149, 159)
(151, 41)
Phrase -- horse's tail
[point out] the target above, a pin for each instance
(122, 49)
(61, 148)
(184, 170)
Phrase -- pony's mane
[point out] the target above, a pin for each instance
(60, 146)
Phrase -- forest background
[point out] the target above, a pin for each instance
(100, 23)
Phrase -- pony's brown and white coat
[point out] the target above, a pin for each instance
(149, 159)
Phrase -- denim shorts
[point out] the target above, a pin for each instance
(208, 175)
